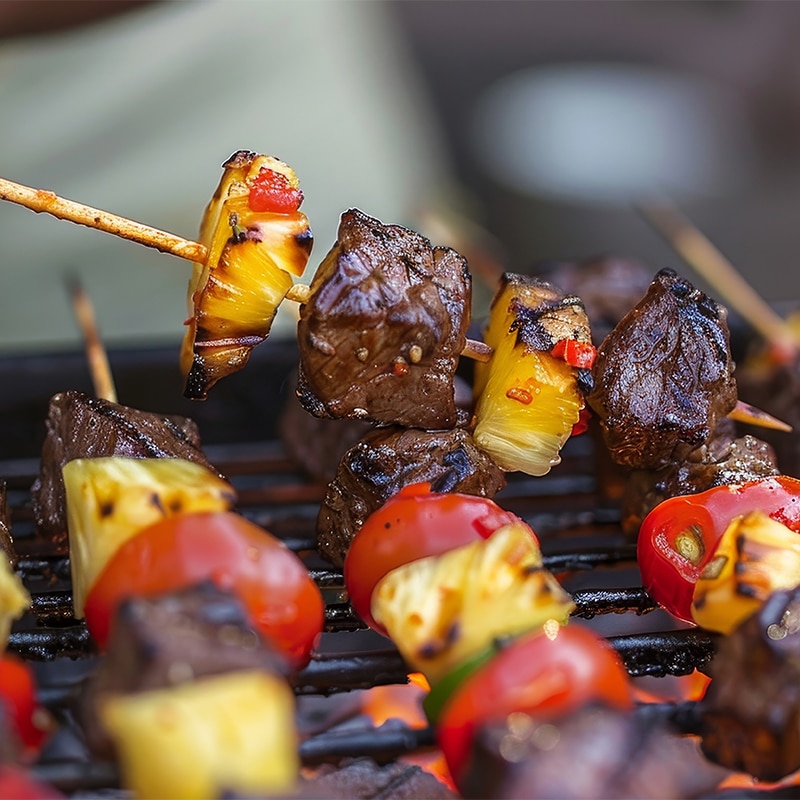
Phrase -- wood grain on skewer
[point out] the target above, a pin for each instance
(704, 257)
(100, 369)
(44, 201)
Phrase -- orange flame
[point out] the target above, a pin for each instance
(404, 702)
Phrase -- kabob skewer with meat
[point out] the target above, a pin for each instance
(569, 354)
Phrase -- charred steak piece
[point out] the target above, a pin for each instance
(593, 753)
(81, 426)
(382, 331)
(386, 460)
(664, 375)
(751, 710)
(721, 461)
(170, 639)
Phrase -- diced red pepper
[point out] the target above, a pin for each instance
(271, 191)
(577, 354)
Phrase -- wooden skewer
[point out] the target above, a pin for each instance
(744, 412)
(703, 256)
(44, 201)
(100, 369)
(697, 250)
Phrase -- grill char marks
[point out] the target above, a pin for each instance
(386, 460)
(80, 426)
(664, 375)
(382, 331)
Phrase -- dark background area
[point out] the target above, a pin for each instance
(745, 50)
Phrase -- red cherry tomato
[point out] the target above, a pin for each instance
(413, 524)
(271, 191)
(678, 537)
(18, 698)
(537, 674)
(282, 600)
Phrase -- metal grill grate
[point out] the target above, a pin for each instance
(579, 533)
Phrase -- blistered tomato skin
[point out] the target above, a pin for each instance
(415, 523)
(283, 602)
(541, 675)
(678, 538)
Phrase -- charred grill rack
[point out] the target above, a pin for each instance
(240, 426)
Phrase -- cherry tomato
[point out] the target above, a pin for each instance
(18, 698)
(271, 191)
(540, 674)
(677, 539)
(283, 602)
(413, 524)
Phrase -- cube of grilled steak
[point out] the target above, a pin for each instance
(593, 753)
(386, 460)
(723, 460)
(751, 710)
(664, 375)
(381, 333)
(174, 638)
(81, 426)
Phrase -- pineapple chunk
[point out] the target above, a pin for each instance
(527, 401)
(14, 599)
(227, 733)
(755, 557)
(111, 499)
(252, 255)
(442, 609)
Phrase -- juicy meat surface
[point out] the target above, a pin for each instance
(81, 426)
(593, 753)
(721, 461)
(381, 333)
(664, 375)
(751, 709)
(386, 460)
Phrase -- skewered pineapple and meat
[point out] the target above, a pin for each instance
(381, 329)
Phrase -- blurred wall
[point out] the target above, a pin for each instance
(733, 140)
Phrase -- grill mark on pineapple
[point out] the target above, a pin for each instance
(106, 509)
(155, 499)
(435, 648)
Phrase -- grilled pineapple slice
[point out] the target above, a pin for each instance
(111, 499)
(442, 609)
(14, 599)
(227, 733)
(527, 400)
(252, 256)
(755, 557)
